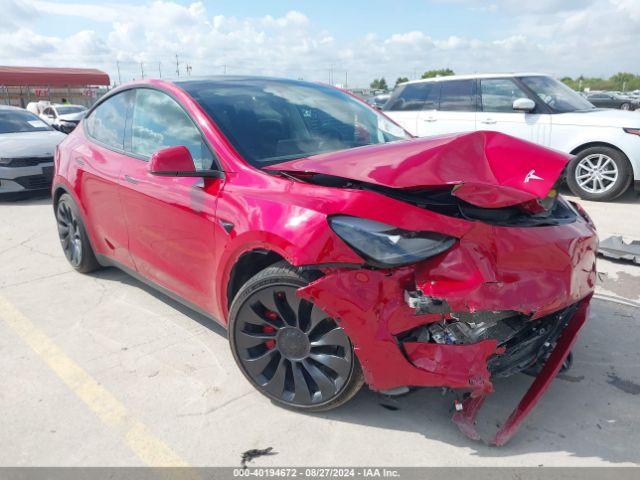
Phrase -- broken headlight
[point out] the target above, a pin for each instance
(384, 246)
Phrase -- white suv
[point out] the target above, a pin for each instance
(535, 107)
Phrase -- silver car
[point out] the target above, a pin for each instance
(63, 117)
(27, 145)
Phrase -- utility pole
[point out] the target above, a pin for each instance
(346, 78)
(188, 68)
(177, 65)
(160, 69)
(142, 70)
(118, 67)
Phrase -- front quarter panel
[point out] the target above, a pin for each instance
(290, 218)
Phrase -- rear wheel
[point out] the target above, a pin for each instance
(288, 348)
(599, 173)
(625, 106)
(73, 236)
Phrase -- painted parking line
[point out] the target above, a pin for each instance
(151, 450)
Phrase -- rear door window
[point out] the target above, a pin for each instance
(458, 96)
(413, 97)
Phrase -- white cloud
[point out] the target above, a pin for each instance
(559, 37)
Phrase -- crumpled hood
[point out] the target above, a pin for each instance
(486, 169)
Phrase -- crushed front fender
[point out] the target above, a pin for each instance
(373, 310)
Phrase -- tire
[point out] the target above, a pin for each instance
(73, 236)
(608, 183)
(290, 350)
(625, 106)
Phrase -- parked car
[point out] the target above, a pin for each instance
(334, 248)
(37, 107)
(63, 117)
(26, 151)
(534, 107)
(378, 101)
(613, 100)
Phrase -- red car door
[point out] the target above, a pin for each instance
(171, 220)
(95, 167)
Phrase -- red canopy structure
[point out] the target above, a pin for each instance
(53, 77)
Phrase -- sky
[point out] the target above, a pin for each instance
(323, 40)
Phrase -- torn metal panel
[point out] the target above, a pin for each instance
(373, 310)
(534, 271)
(465, 418)
(615, 247)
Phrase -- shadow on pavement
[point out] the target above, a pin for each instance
(26, 198)
(115, 275)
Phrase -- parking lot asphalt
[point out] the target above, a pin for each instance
(99, 370)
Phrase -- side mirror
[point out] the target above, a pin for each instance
(177, 162)
(172, 162)
(523, 105)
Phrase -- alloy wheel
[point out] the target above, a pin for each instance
(596, 173)
(69, 230)
(290, 349)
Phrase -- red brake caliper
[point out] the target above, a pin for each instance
(269, 329)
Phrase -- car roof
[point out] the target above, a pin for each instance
(233, 78)
(472, 76)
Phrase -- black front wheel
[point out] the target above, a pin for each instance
(73, 236)
(287, 347)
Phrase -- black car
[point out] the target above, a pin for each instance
(612, 100)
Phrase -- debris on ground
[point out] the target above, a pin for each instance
(249, 455)
(626, 386)
(615, 247)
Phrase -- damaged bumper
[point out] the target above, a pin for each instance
(498, 302)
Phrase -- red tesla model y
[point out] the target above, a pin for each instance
(336, 249)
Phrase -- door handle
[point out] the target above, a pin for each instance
(131, 179)
(429, 119)
(79, 161)
(488, 121)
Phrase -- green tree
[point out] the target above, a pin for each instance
(443, 72)
(379, 84)
(401, 80)
(620, 81)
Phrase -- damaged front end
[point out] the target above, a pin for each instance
(400, 346)
(495, 278)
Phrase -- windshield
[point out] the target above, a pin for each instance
(14, 121)
(69, 109)
(556, 94)
(270, 121)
